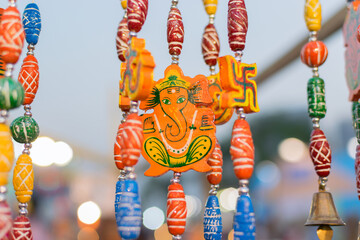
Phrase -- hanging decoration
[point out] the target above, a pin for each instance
(323, 212)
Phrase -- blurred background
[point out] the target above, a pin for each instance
(76, 108)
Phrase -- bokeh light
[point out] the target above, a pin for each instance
(292, 150)
(42, 151)
(153, 218)
(268, 172)
(193, 205)
(88, 212)
(64, 153)
(228, 199)
(351, 147)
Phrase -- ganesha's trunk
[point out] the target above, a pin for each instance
(177, 131)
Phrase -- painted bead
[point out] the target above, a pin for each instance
(6, 154)
(130, 211)
(32, 23)
(320, 153)
(356, 118)
(316, 98)
(29, 78)
(176, 209)
(210, 45)
(237, 24)
(122, 39)
(24, 129)
(117, 149)
(23, 178)
(242, 149)
(120, 186)
(314, 53)
(175, 31)
(2, 67)
(244, 219)
(124, 4)
(11, 35)
(21, 229)
(312, 15)
(11, 93)
(5, 221)
(210, 6)
(212, 219)
(357, 169)
(137, 12)
(131, 140)
(216, 162)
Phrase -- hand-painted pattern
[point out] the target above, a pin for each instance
(237, 24)
(122, 39)
(314, 53)
(216, 162)
(23, 178)
(120, 187)
(29, 78)
(117, 148)
(312, 15)
(176, 209)
(24, 129)
(32, 23)
(175, 31)
(6, 154)
(320, 153)
(22, 229)
(212, 219)
(11, 93)
(244, 219)
(5, 221)
(137, 12)
(210, 45)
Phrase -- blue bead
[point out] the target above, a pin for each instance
(244, 219)
(212, 219)
(120, 186)
(130, 211)
(32, 23)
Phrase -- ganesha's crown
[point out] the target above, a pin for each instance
(172, 81)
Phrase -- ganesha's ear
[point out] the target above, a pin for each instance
(199, 92)
(151, 101)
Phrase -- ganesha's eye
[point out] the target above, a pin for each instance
(181, 100)
(166, 101)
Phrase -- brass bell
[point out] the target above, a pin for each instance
(323, 211)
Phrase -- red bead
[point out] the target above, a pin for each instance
(210, 45)
(29, 78)
(137, 12)
(358, 33)
(5, 221)
(22, 229)
(314, 53)
(176, 209)
(216, 162)
(320, 153)
(237, 24)
(122, 39)
(175, 31)
(131, 140)
(242, 149)
(117, 149)
(357, 169)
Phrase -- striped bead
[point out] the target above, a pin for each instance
(131, 140)
(29, 78)
(32, 23)
(244, 219)
(122, 39)
(6, 154)
(120, 187)
(320, 153)
(11, 35)
(312, 15)
(11, 93)
(176, 209)
(2, 67)
(210, 45)
(23, 178)
(117, 149)
(21, 229)
(210, 6)
(130, 211)
(5, 221)
(237, 24)
(314, 53)
(316, 98)
(175, 31)
(137, 12)
(212, 219)
(216, 162)
(242, 149)
(24, 129)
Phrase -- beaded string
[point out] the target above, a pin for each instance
(210, 47)
(11, 96)
(314, 54)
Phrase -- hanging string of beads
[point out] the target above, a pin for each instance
(314, 54)
(11, 96)
(25, 129)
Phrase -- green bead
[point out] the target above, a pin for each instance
(353, 108)
(24, 129)
(316, 98)
(356, 118)
(11, 93)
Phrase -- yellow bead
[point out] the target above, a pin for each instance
(23, 178)
(313, 15)
(124, 4)
(6, 153)
(210, 6)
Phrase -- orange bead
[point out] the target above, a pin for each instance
(117, 149)
(216, 162)
(29, 78)
(11, 35)
(131, 140)
(242, 149)
(176, 209)
(314, 53)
